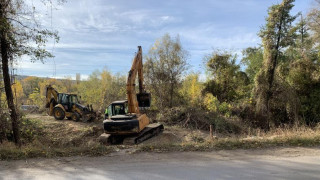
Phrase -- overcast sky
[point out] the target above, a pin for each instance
(97, 34)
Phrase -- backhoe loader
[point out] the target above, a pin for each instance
(124, 121)
(61, 105)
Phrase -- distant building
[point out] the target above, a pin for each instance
(78, 78)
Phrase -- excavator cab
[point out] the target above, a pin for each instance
(117, 108)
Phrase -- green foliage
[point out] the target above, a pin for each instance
(252, 59)
(276, 35)
(197, 118)
(227, 82)
(31, 129)
(211, 103)
(191, 90)
(164, 67)
(23, 32)
(30, 84)
(304, 77)
(36, 98)
(102, 88)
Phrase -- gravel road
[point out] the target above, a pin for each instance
(278, 163)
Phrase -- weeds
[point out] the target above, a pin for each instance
(234, 143)
(49, 138)
(255, 139)
(8, 151)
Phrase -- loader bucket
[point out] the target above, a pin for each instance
(144, 99)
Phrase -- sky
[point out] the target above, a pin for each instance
(98, 34)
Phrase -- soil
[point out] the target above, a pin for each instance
(68, 128)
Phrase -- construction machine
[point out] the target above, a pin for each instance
(125, 122)
(61, 105)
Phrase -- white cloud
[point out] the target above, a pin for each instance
(99, 33)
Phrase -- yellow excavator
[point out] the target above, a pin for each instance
(124, 121)
(61, 105)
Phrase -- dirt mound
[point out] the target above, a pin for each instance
(163, 138)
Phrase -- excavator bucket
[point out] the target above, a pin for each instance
(144, 99)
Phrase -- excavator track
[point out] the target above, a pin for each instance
(148, 132)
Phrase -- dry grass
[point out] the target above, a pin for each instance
(46, 137)
(42, 136)
(8, 151)
(255, 139)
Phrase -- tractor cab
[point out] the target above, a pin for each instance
(67, 100)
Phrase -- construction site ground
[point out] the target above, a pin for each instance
(52, 138)
(65, 130)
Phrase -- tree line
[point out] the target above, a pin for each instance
(274, 84)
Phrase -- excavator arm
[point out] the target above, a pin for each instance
(142, 99)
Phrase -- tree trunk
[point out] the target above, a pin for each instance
(7, 87)
(273, 61)
(171, 95)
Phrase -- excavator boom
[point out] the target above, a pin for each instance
(142, 99)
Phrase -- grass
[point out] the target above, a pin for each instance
(234, 143)
(256, 139)
(45, 137)
(8, 151)
(49, 138)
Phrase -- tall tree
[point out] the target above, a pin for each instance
(276, 35)
(227, 81)
(164, 67)
(314, 21)
(18, 31)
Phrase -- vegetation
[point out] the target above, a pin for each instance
(16, 37)
(164, 67)
(47, 138)
(273, 87)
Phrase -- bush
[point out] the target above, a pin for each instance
(197, 118)
(30, 130)
(5, 132)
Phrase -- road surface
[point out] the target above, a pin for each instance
(279, 163)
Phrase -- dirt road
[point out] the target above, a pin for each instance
(280, 163)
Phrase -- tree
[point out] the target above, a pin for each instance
(227, 82)
(114, 87)
(102, 88)
(191, 90)
(36, 98)
(68, 84)
(18, 30)
(314, 21)
(252, 59)
(303, 72)
(30, 84)
(165, 64)
(276, 35)
(18, 92)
